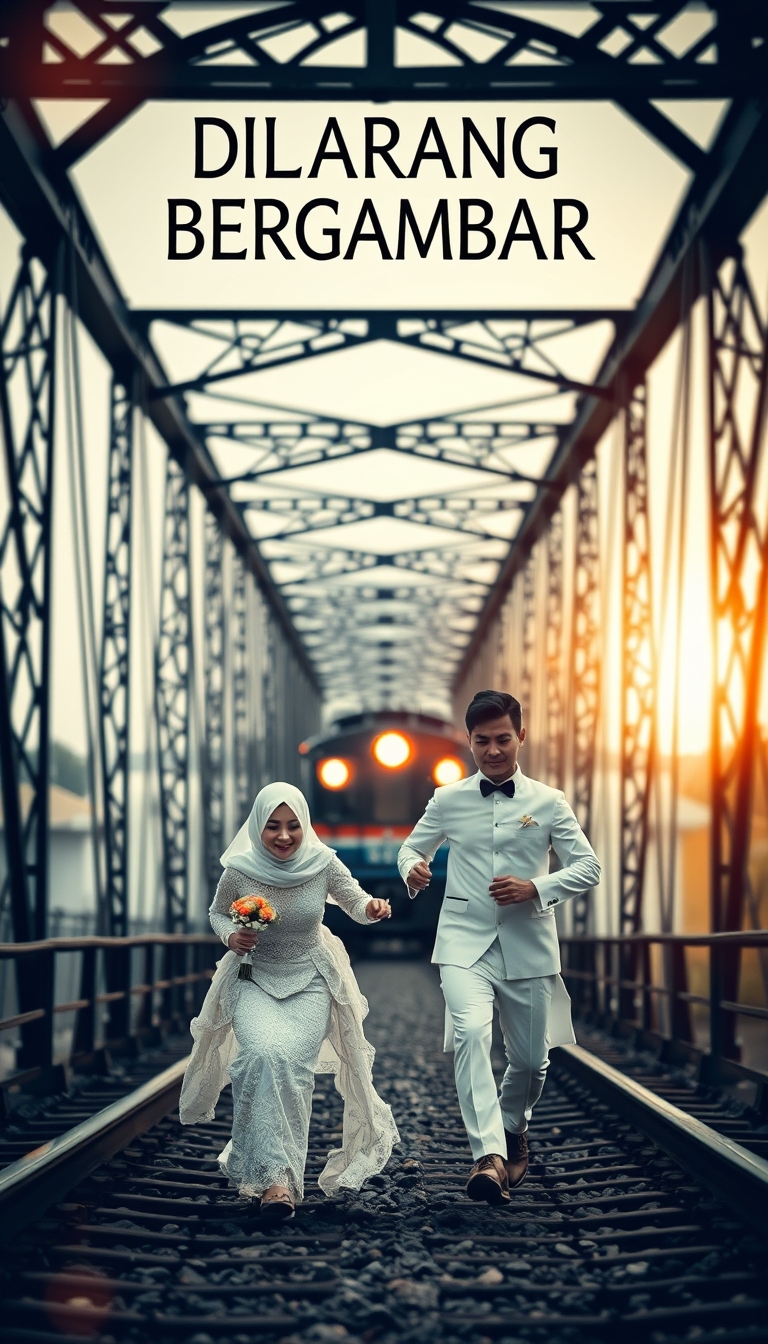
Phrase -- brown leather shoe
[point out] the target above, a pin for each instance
(516, 1163)
(488, 1180)
(277, 1204)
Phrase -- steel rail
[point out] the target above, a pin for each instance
(42, 1177)
(29, 1186)
(739, 1178)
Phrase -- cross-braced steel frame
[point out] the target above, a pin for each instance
(241, 719)
(214, 644)
(554, 646)
(114, 672)
(27, 403)
(638, 690)
(738, 385)
(172, 672)
(585, 668)
(739, 560)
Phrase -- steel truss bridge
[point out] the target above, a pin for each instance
(510, 589)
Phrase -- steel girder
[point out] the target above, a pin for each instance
(47, 212)
(630, 52)
(529, 645)
(114, 671)
(310, 513)
(738, 392)
(172, 669)
(282, 444)
(516, 341)
(721, 200)
(554, 648)
(27, 403)
(213, 684)
(585, 678)
(241, 718)
(638, 699)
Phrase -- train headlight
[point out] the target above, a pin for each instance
(391, 750)
(333, 773)
(448, 771)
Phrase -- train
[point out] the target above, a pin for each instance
(367, 779)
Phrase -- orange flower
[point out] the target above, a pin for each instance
(253, 910)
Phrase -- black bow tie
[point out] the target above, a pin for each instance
(486, 787)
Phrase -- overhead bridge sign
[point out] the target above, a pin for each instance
(364, 205)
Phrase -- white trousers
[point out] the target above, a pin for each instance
(524, 1010)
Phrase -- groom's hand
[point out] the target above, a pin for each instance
(419, 876)
(511, 890)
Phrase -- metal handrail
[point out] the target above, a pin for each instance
(612, 981)
(130, 989)
(80, 944)
(749, 938)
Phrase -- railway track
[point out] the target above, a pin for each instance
(35, 1122)
(609, 1237)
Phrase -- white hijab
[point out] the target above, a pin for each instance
(249, 855)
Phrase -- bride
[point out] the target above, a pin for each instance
(298, 1012)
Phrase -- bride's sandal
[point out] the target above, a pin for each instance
(277, 1204)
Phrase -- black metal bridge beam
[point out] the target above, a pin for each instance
(114, 672)
(126, 71)
(738, 403)
(172, 668)
(244, 791)
(638, 672)
(717, 207)
(585, 670)
(213, 681)
(553, 639)
(46, 211)
(27, 405)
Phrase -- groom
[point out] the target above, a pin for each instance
(496, 937)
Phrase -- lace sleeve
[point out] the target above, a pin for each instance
(347, 892)
(227, 891)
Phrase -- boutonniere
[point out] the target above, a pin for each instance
(528, 821)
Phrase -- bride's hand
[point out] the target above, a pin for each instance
(378, 909)
(242, 941)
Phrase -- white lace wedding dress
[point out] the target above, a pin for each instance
(302, 1013)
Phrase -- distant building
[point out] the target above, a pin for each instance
(71, 880)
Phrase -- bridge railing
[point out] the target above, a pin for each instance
(668, 990)
(78, 998)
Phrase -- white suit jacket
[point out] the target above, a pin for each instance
(501, 836)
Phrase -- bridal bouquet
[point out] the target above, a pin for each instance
(251, 912)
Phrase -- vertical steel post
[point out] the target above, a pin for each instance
(381, 19)
(114, 672)
(270, 699)
(638, 730)
(739, 569)
(27, 402)
(585, 664)
(553, 635)
(738, 399)
(213, 676)
(172, 661)
(528, 667)
(240, 716)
